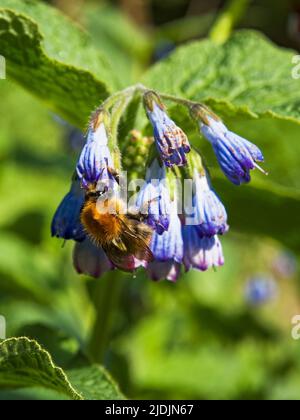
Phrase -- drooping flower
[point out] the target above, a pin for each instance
(66, 221)
(236, 155)
(154, 198)
(95, 157)
(260, 290)
(167, 250)
(200, 252)
(171, 142)
(90, 259)
(209, 213)
(164, 270)
(203, 208)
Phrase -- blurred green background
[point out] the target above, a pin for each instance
(223, 334)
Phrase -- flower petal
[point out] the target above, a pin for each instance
(236, 155)
(66, 221)
(172, 143)
(169, 270)
(91, 260)
(201, 253)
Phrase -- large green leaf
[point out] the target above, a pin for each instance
(94, 383)
(54, 58)
(246, 75)
(25, 366)
(262, 208)
(23, 363)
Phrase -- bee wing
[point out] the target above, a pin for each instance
(121, 261)
(124, 261)
(132, 245)
(137, 236)
(144, 253)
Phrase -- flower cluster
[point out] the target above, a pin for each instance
(191, 241)
(183, 236)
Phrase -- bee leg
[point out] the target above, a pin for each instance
(142, 214)
(115, 174)
(145, 206)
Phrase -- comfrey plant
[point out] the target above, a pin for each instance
(159, 230)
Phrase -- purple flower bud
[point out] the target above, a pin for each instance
(236, 156)
(200, 252)
(171, 142)
(66, 221)
(154, 198)
(91, 260)
(95, 155)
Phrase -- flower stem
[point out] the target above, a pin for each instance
(113, 99)
(116, 114)
(105, 295)
(180, 101)
(230, 16)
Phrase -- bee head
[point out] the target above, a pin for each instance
(96, 192)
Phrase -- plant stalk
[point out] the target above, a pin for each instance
(105, 295)
(230, 16)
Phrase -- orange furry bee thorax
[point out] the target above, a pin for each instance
(101, 224)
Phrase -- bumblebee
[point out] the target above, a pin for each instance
(123, 235)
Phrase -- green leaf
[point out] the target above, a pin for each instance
(168, 358)
(94, 383)
(65, 71)
(248, 82)
(23, 363)
(32, 394)
(247, 75)
(27, 369)
(259, 208)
